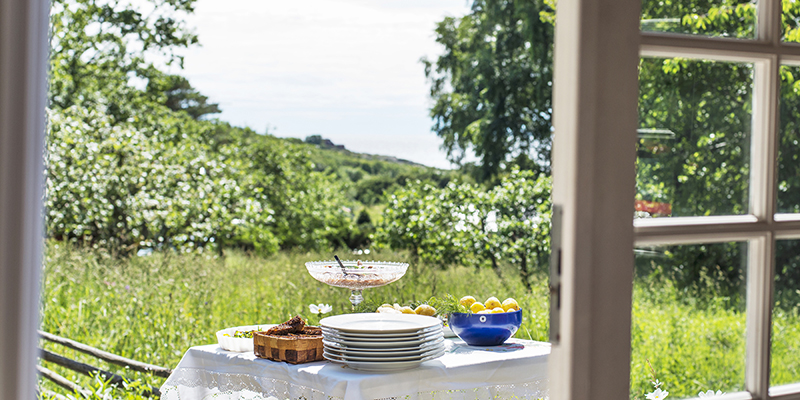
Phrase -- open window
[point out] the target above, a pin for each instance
(710, 164)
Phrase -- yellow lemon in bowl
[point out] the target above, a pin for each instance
(424, 309)
(498, 310)
(477, 307)
(485, 312)
(510, 304)
(407, 310)
(467, 301)
(492, 302)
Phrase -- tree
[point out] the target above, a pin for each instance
(465, 224)
(175, 92)
(492, 86)
(98, 46)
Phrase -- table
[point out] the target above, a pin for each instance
(514, 370)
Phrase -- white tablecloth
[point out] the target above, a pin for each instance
(515, 370)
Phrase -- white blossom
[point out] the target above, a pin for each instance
(320, 308)
(657, 394)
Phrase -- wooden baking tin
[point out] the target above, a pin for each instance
(294, 349)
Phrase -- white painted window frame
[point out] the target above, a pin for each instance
(589, 188)
(23, 82)
(761, 227)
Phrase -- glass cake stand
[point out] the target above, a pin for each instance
(356, 275)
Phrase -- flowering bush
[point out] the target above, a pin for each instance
(159, 184)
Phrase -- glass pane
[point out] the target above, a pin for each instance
(694, 138)
(688, 322)
(789, 150)
(786, 314)
(791, 20)
(727, 18)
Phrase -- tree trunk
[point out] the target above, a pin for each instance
(495, 267)
(524, 273)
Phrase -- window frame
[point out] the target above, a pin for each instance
(761, 227)
(24, 27)
(584, 60)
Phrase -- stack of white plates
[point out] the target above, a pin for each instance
(381, 342)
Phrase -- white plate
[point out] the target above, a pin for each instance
(379, 323)
(387, 337)
(379, 366)
(401, 342)
(239, 345)
(376, 357)
(381, 352)
(383, 346)
(382, 335)
(349, 359)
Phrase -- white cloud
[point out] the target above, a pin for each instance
(320, 66)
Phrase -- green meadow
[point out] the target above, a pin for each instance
(153, 308)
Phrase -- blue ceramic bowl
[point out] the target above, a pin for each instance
(485, 329)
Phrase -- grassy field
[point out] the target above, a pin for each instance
(154, 308)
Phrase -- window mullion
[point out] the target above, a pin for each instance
(761, 255)
(763, 178)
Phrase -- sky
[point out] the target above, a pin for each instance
(348, 70)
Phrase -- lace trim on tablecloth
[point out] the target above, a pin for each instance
(217, 385)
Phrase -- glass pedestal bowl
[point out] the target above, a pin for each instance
(356, 275)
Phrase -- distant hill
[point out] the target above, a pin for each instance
(369, 177)
(328, 144)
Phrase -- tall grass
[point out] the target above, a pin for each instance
(154, 308)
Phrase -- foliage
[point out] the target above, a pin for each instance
(120, 186)
(177, 94)
(463, 224)
(154, 308)
(492, 85)
(97, 47)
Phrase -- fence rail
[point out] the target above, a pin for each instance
(90, 370)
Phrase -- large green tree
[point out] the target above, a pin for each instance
(130, 164)
(98, 47)
(491, 87)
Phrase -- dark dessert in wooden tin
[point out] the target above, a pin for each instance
(292, 342)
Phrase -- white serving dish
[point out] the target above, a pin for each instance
(239, 345)
(383, 337)
(385, 358)
(379, 323)
(380, 366)
(381, 352)
(347, 359)
(384, 346)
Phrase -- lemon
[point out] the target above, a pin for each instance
(387, 310)
(498, 310)
(407, 310)
(492, 302)
(476, 307)
(510, 304)
(467, 301)
(424, 309)
(485, 312)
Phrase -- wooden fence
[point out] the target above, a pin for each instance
(87, 369)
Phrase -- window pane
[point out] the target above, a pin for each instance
(791, 20)
(789, 149)
(786, 314)
(694, 137)
(688, 319)
(728, 18)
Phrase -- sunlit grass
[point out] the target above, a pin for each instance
(154, 308)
